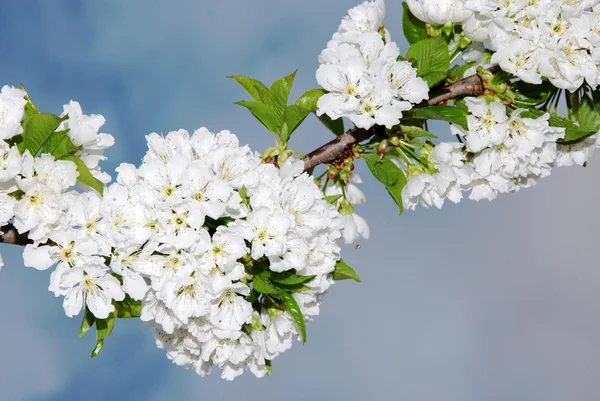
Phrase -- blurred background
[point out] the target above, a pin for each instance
(481, 301)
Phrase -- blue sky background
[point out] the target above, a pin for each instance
(479, 301)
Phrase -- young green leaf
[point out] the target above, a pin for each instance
(269, 366)
(256, 89)
(384, 170)
(59, 145)
(36, 131)
(344, 272)
(589, 119)
(395, 191)
(262, 284)
(309, 99)
(431, 59)
(416, 132)
(30, 107)
(85, 176)
(287, 278)
(103, 329)
(332, 199)
(128, 308)
(280, 92)
(292, 307)
(414, 29)
(294, 115)
(450, 114)
(529, 95)
(265, 114)
(87, 322)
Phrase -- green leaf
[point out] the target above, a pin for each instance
(414, 29)
(59, 145)
(85, 176)
(87, 322)
(384, 170)
(269, 366)
(103, 329)
(36, 131)
(292, 307)
(344, 272)
(335, 126)
(97, 348)
(332, 199)
(309, 99)
(280, 92)
(294, 115)
(287, 278)
(30, 107)
(265, 114)
(243, 192)
(262, 284)
(395, 191)
(434, 78)
(256, 89)
(128, 308)
(450, 114)
(416, 132)
(431, 59)
(253, 296)
(529, 95)
(589, 119)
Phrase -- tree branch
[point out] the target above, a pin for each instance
(333, 150)
(10, 235)
(472, 86)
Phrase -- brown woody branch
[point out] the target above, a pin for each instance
(471, 86)
(10, 235)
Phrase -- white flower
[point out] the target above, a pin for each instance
(346, 85)
(187, 296)
(226, 248)
(366, 17)
(266, 230)
(354, 227)
(440, 12)
(37, 211)
(83, 131)
(10, 164)
(421, 188)
(230, 311)
(12, 111)
(578, 153)
(94, 288)
(487, 124)
(7, 208)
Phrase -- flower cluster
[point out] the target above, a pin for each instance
(501, 153)
(215, 243)
(361, 71)
(554, 39)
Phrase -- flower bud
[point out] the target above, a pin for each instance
(382, 147)
(346, 207)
